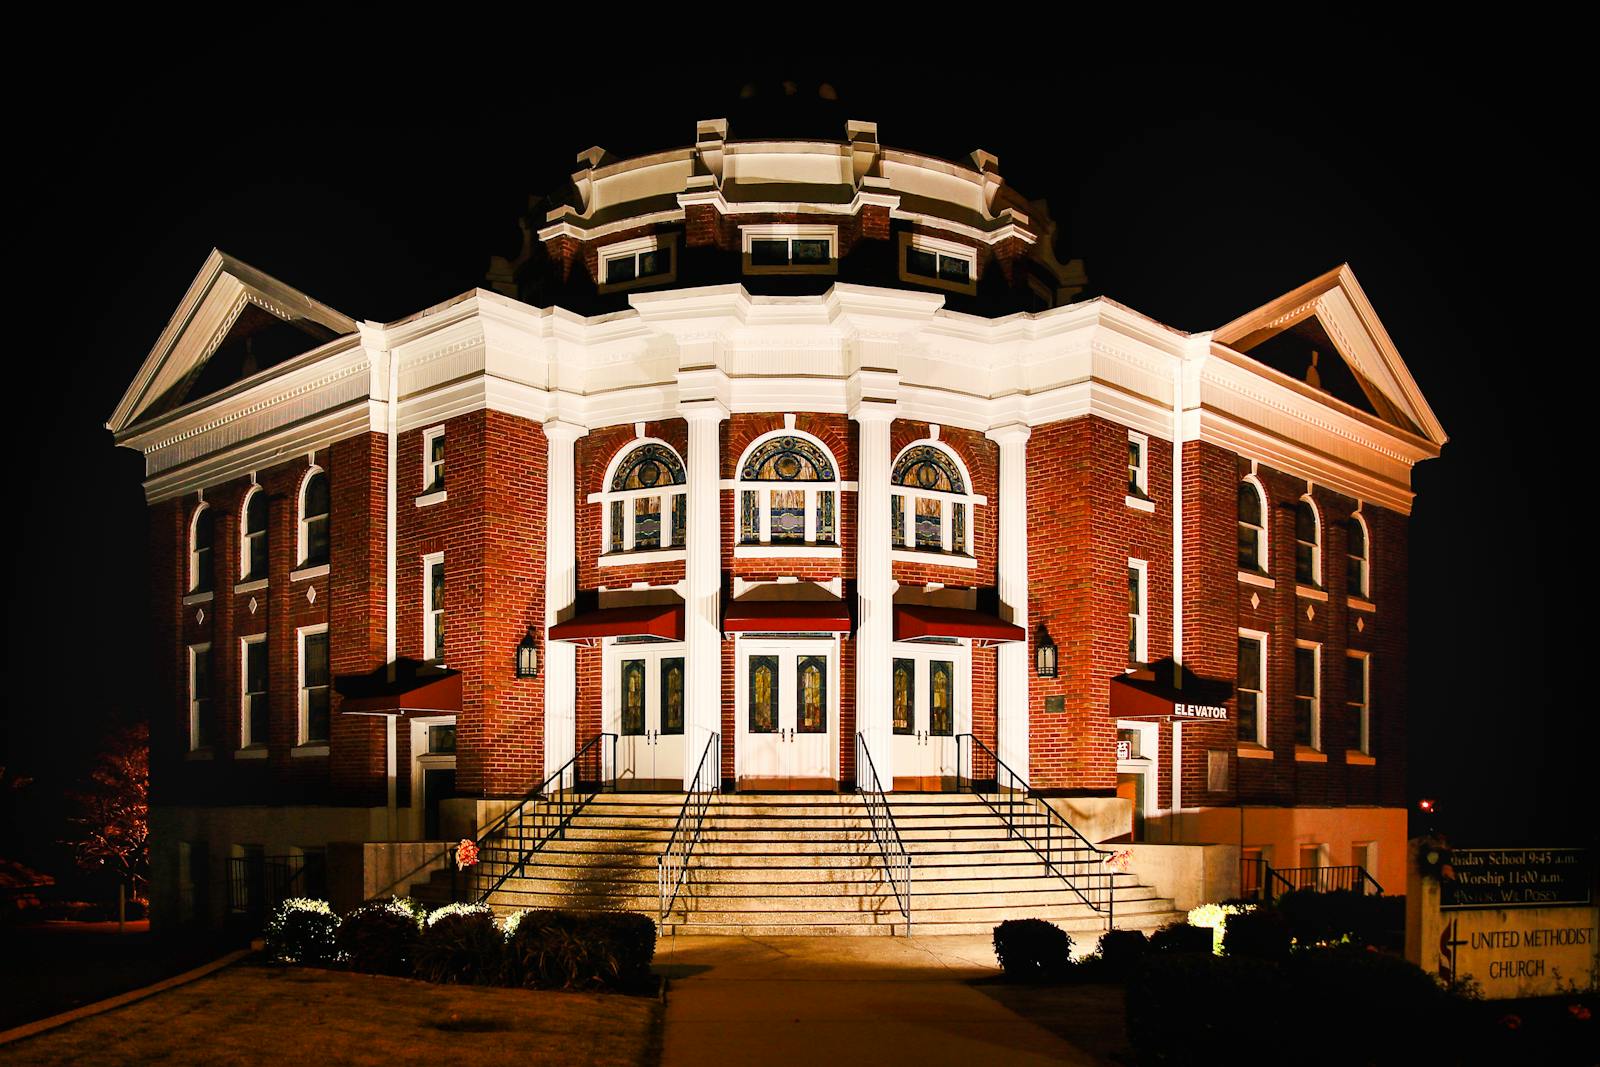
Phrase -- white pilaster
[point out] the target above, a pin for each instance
(703, 583)
(874, 588)
(560, 590)
(1011, 669)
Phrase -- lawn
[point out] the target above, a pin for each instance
(1090, 1015)
(259, 1013)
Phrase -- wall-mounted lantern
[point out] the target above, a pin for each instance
(1044, 656)
(528, 657)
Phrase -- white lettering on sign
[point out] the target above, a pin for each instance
(1199, 711)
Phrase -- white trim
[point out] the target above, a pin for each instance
(1147, 763)
(1365, 589)
(251, 587)
(784, 648)
(310, 749)
(664, 495)
(970, 500)
(787, 550)
(1261, 702)
(1311, 592)
(1364, 707)
(191, 599)
(431, 499)
(766, 547)
(1263, 531)
(194, 551)
(1142, 618)
(640, 556)
(301, 697)
(1141, 478)
(929, 558)
(1251, 578)
(195, 651)
(938, 248)
(430, 651)
(1140, 504)
(791, 232)
(244, 537)
(302, 519)
(1316, 547)
(422, 761)
(246, 738)
(1360, 604)
(309, 572)
(619, 250)
(433, 472)
(1316, 696)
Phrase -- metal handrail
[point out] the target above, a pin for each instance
(896, 860)
(1273, 882)
(1052, 838)
(672, 866)
(545, 810)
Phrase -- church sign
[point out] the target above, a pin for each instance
(1517, 878)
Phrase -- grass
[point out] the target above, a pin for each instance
(1090, 1015)
(259, 1013)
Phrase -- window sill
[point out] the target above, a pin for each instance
(798, 550)
(1141, 503)
(308, 572)
(1357, 758)
(198, 753)
(192, 599)
(429, 499)
(310, 748)
(1311, 592)
(932, 558)
(253, 586)
(251, 752)
(1307, 754)
(1251, 750)
(640, 556)
(1254, 578)
(1361, 604)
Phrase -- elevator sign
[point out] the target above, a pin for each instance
(1215, 712)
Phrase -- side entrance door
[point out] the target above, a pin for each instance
(644, 708)
(787, 709)
(930, 689)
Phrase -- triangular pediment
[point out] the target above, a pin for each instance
(234, 323)
(1327, 334)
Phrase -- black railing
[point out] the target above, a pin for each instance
(1081, 865)
(507, 844)
(257, 884)
(896, 860)
(672, 866)
(1259, 880)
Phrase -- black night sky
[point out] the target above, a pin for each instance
(1193, 192)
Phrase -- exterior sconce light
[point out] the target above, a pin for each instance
(528, 657)
(1044, 654)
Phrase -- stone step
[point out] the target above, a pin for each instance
(692, 901)
(1085, 931)
(787, 874)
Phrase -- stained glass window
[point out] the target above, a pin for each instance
(632, 697)
(616, 526)
(646, 522)
(905, 696)
(787, 459)
(680, 513)
(930, 523)
(928, 467)
(811, 695)
(647, 467)
(749, 519)
(825, 534)
(788, 514)
(958, 530)
(672, 695)
(941, 693)
(897, 520)
(763, 694)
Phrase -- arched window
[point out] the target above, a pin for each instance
(1357, 570)
(314, 519)
(201, 537)
(646, 499)
(253, 541)
(1252, 527)
(1307, 543)
(930, 502)
(788, 492)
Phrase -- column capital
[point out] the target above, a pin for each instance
(868, 410)
(1010, 434)
(564, 430)
(703, 410)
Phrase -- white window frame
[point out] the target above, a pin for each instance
(245, 535)
(1142, 618)
(907, 551)
(302, 520)
(1141, 477)
(922, 655)
(246, 738)
(631, 250)
(1316, 695)
(1364, 591)
(422, 761)
(766, 547)
(941, 248)
(1147, 763)
(1363, 707)
(430, 649)
(194, 550)
(1261, 703)
(606, 496)
(433, 471)
(790, 232)
(1316, 547)
(1263, 542)
(195, 652)
(303, 696)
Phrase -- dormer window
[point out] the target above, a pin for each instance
(930, 505)
(788, 492)
(786, 249)
(646, 499)
(942, 264)
(633, 264)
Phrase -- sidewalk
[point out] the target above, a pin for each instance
(833, 1001)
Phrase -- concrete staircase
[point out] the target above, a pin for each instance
(806, 864)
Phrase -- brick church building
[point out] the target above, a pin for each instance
(795, 449)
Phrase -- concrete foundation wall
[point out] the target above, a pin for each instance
(1191, 875)
(377, 870)
(1282, 832)
(1097, 818)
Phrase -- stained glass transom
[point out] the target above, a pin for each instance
(787, 459)
(928, 467)
(811, 692)
(649, 466)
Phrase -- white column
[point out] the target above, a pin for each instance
(702, 574)
(874, 589)
(1011, 669)
(560, 590)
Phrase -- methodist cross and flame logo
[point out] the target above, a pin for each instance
(1448, 943)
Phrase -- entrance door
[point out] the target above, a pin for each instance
(929, 688)
(645, 710)
(787, 706)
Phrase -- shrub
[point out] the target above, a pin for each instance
(1390, 995)
(1182, 937)
(380, 938)
(1190, 1007)
(1032, 949)
(461, 944)
(1261, 934)
(1320, 918)
(555, 949)
(302, 930)
(1120, 952)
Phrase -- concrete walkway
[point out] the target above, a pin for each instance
(833, 1001)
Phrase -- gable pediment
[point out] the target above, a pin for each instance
(233, 323)
(1327, 334)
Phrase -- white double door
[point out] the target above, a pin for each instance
(930, 703)
(644, 695)
(787, 709)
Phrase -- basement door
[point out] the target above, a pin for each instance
(930, 691)
(786, 706)
(644, 696)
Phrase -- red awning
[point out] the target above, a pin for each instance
(1149, 693)
(409, 686)
(786, 616)
(664, 621)
(912, 621)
